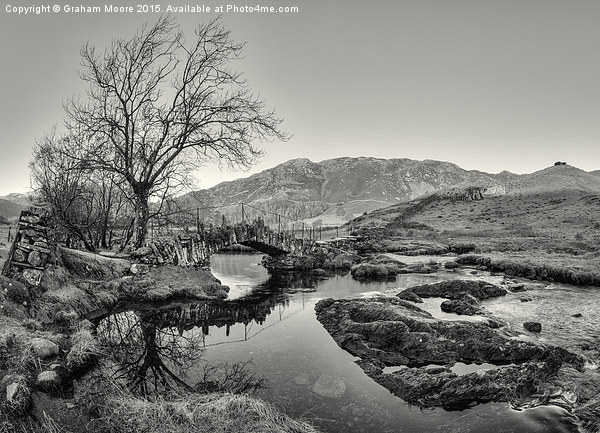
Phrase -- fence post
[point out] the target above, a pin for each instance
(243, 212)
(337, 231)
(198, 220)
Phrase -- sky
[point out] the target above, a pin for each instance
(490, 85)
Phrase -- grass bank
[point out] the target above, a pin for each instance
(42, 335)
(192, 413)
(577, 270)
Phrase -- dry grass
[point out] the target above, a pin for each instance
(46, 424)
(62, 305)
(167, 282)
(579, 270)
(216, 413)
(560, 217)
(84, 350)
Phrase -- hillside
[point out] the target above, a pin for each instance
(10, 209)
(337, 190)
(556, 178)
(557, 205)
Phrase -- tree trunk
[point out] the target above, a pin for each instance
(142, 215)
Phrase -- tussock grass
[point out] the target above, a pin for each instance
(49, 425)
(60, 303)
(216, 413)
(85, 349)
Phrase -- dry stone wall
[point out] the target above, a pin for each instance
(31, 247)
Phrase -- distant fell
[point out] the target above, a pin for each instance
(339, 189)
(556, 178)
(10, 209)
(18, 198)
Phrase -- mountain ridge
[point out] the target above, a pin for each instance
(342, 188)
(339, 189)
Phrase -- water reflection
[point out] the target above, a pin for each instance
(271, 322)
(155, 347)
(151, 354)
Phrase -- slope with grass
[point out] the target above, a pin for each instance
(9, 209)
(551, 217)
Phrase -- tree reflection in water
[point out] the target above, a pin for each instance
(154, 348)
(152, 357)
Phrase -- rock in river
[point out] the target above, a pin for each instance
(456, 289)
(329, 386)
(407, 295)
(460, 307)
(392, 332)
(533, 326)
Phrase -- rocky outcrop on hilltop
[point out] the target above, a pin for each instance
(472, 193)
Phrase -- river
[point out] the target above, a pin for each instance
(271, 323)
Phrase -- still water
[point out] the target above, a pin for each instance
(271, 322)
(291, 349)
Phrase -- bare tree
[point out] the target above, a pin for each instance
(87, 204)
(157, 107)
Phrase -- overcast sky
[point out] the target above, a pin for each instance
(487, 84)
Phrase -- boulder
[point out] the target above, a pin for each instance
(407, 295)
(34, 259)
(329, 386)
(419, 268)
(533, 326)
(517, 287)
(456, 289)
(141, 252)
(48, 380)
(139, 269)
(32, 276)
(370, 271)
(18, 397)
(44, 348)
(451, 265)
(458, 306)
(319, 272)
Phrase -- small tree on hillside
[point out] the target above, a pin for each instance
(157, 107)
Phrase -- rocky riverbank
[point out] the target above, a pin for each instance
(57, 375)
